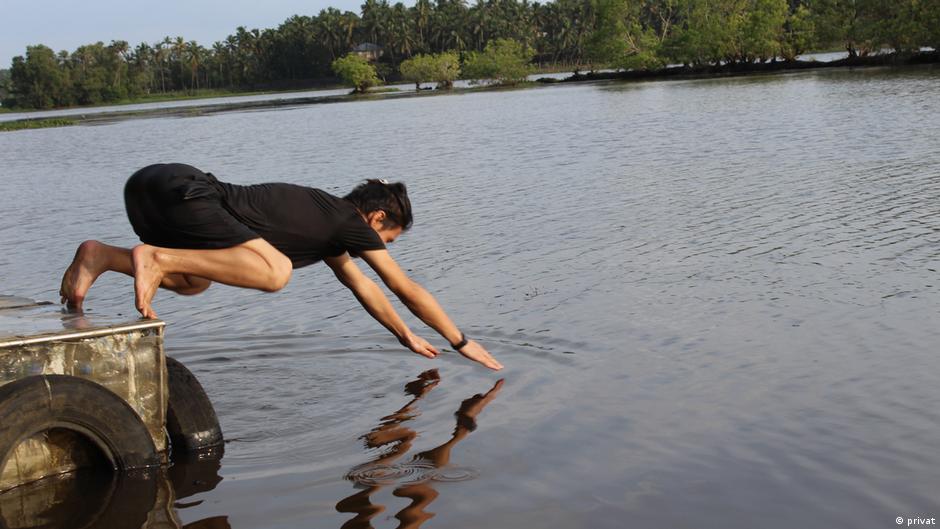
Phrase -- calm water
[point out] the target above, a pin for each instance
(289, 96)
(716, 301)
(230, 100)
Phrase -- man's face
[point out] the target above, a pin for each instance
(376, 220)
(388, 235)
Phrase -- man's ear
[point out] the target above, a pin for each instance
(377, 216)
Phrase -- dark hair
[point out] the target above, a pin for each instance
(374, 195)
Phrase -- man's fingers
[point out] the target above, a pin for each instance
(488, 360)
(477, 353)
(472, 350)
(422, 347)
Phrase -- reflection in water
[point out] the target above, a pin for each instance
(91, 499)
(414, 477)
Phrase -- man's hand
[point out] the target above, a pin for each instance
(419, 345)
(477, 353)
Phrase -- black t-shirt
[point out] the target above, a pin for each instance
(304, 223)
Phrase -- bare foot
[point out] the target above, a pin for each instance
(147, 277)
(90, 262)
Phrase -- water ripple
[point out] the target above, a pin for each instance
(408, 473)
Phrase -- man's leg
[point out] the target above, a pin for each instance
(252, 264)
(93, 258)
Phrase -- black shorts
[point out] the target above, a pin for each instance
(178, 206)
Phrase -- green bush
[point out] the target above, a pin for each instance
(441, 68)
(356, 72)
(504, 61)
(24, 124)
(798, 33)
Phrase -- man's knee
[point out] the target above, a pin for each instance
(281, 270)
(279, 265)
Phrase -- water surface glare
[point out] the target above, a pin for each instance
(716, 301)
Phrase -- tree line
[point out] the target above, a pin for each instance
(581, 34)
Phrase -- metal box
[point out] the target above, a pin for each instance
(126, 358)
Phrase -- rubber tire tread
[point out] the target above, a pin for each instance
(38, 403)
(191, 422)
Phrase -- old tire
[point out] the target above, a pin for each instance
(38, 403)
(191, 422)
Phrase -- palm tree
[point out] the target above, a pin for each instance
(329, 22)
(232, 60)
(162, 56)
(193, 55)
(401, 34)
(375, 17)
(422, 16)
(177, 49)
(297, 35)
(117, 63)
(449, 21)
(245, 56)
(479, 20)
(219, 59)
(349, 21)
(143, 68)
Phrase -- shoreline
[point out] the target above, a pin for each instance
(739, 69)
(668, 73)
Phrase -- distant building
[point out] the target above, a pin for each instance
(369, 51)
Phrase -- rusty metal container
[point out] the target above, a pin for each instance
(125, 357)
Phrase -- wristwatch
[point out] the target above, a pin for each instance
(462, 343)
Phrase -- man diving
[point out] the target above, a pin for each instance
(196, 230)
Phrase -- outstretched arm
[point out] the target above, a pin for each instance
(374, 301)
(423, 305)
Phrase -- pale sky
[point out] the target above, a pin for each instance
(65, 25)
